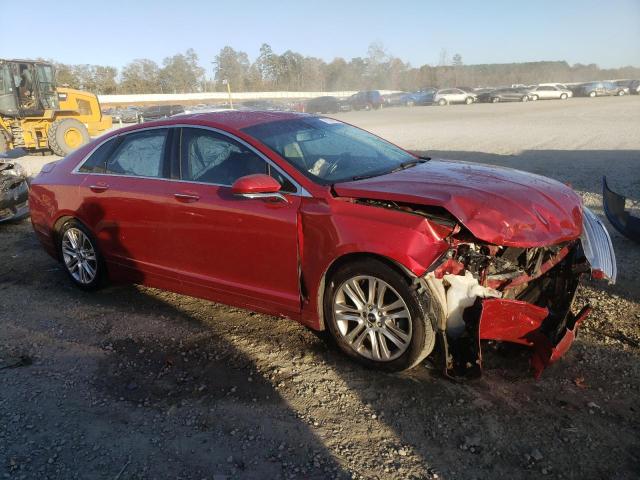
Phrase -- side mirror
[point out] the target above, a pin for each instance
(258, 186)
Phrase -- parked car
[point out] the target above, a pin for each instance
(632, 85)
(326, 104)
(599, 89)
(505, 95)
(396, 99)
(366, 100)
(114, 113)
(310, 218)
(14, 191)
(548, 92)
(159, 112)
(129, 114)
(420, 98)
(448, 96)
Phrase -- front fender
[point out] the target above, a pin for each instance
(332, 230)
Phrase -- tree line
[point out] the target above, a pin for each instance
(292, 71)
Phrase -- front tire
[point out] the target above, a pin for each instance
(495, 100)
(80, 256)
(67, 134)
(378, 316)
(564, 96)
(592, 94)
(621, 93)
(468, 100)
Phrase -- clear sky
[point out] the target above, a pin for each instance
(114, 32)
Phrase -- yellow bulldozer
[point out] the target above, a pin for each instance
(37, 116)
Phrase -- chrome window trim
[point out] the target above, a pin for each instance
(300, 190)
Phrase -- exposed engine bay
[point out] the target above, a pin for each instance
(515, 294)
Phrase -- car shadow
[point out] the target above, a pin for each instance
(215, 397)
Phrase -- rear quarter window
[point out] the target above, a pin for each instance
(96, 162)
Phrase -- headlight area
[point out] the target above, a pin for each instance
(519, 295)
(597, 247)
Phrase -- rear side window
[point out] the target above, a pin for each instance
(96, 162)
(139, 154)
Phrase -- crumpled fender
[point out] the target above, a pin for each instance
(330, 231)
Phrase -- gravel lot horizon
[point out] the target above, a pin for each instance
(136, 383)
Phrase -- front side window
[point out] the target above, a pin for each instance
(328, 151)
(139, 154)
(209, 157)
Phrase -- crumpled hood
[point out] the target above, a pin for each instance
(498, 205)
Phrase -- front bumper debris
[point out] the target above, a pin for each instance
(531, 305)
(621, 219)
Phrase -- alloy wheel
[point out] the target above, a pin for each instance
(79, 256)
(372, 318)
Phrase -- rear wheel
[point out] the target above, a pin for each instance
(495, 100)
(378, 317)
(524, 99)
(592, 94)
(67, 134)
(80, 256)
(621, 93)
(534, 97)
(442, 102)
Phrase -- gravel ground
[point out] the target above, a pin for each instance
(135, 383)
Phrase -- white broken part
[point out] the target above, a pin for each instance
(456, 293)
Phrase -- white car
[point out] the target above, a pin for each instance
(453, 95)
(548, 92)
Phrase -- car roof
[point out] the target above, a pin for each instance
(228, 119)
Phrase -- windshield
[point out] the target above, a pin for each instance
(328, 151)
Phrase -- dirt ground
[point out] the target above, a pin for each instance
(136, 383)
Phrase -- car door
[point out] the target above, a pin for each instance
(459, 96)
(125, 202)
(239, 250)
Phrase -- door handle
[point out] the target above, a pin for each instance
(186, 197)
(99, 188)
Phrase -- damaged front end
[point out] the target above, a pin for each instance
(14, 191)
(512, 294)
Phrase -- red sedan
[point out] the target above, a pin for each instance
(397, 256)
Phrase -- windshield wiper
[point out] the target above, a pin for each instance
(408, 164)
(402, 166)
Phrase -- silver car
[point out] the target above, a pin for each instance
(453, 95)
(549, 92)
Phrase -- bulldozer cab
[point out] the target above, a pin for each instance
(27, 88)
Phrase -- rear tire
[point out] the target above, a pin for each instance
(442, 102)
(372, 335)
(495, 100)
(534, 98)
(80, 256)
(592, 94)
(67, 134)
(621, 93)
(524, 99)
